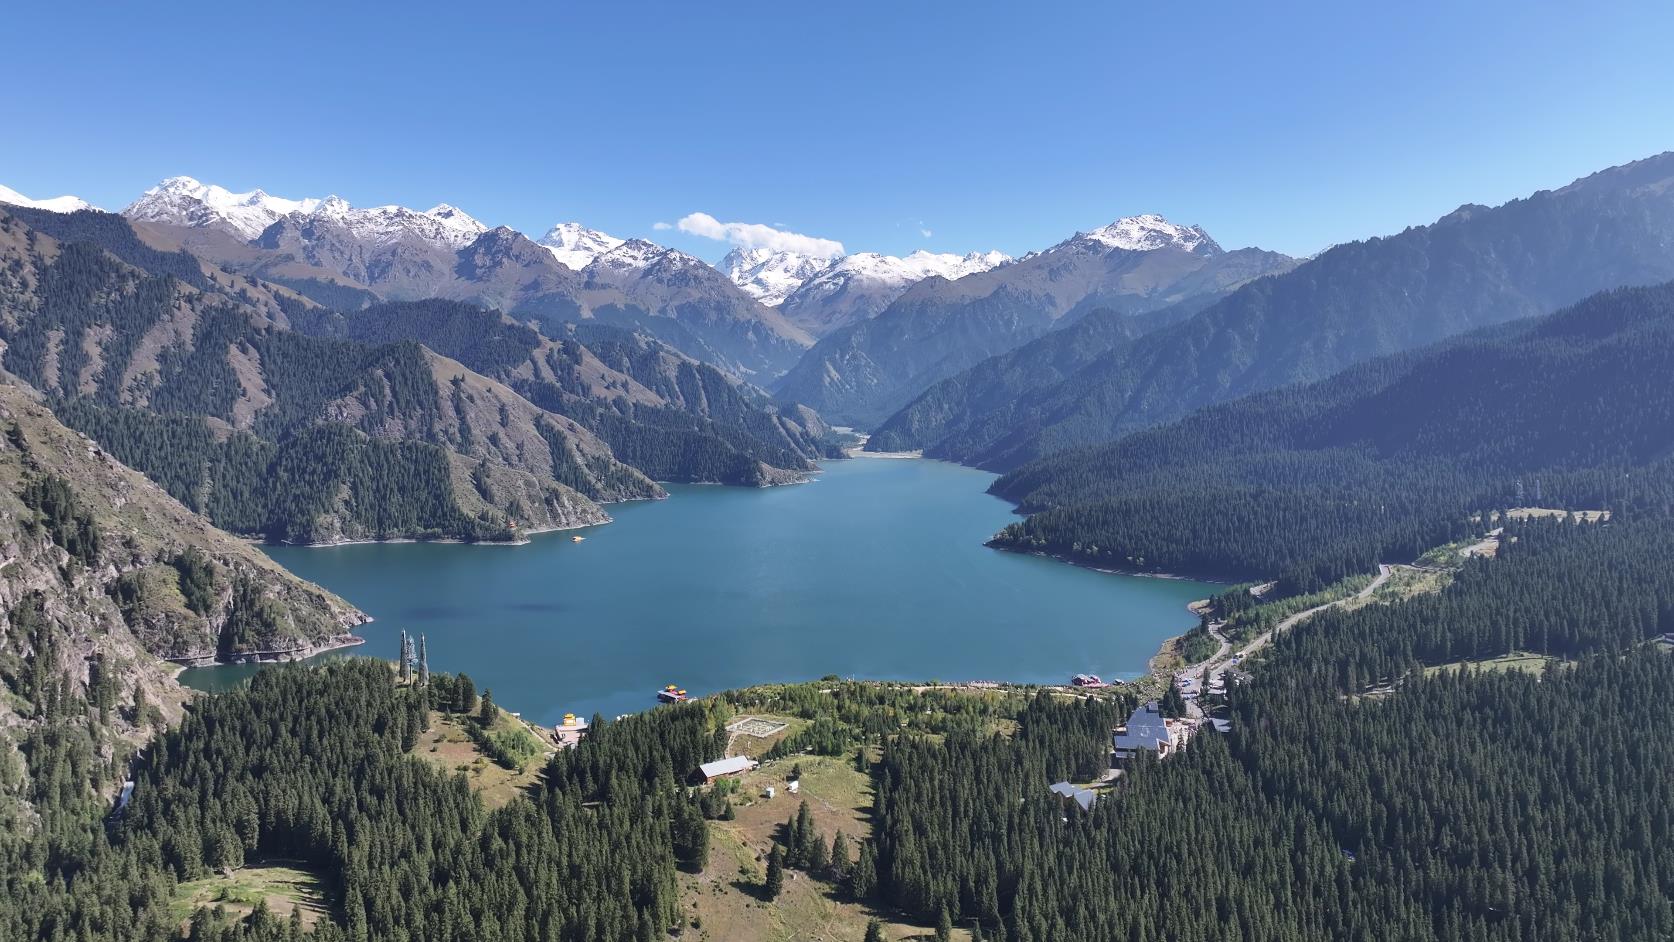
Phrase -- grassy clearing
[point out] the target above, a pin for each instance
(1585, 516)
(283, 887)
(448, 744)
(722, 903)
(1536, 664)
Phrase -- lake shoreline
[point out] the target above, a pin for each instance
(1111, 570)
(262, 658)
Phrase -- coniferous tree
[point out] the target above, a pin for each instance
(774, 883)
(840, 862)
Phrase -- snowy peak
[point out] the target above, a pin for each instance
(443, 227)
(890, 271)
(629, 256)
(768, 276)
(183, 201)
(953, 267)
(856, 287)
(1150, 232)
(575, 246)
(57, 204)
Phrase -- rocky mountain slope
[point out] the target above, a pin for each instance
(1474, 267)
(666, 414)
(198, 382)
(862, 373)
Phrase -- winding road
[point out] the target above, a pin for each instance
(1217, 665)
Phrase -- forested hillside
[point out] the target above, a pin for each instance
(1380, 462)
(663, 413)
(104, 575)
(1459, 805)
(278, 433)
(1475, 267)
(311, 766)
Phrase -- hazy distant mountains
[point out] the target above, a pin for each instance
(862, 373)
(1474, 267)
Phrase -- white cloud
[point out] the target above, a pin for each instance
(661, 226)
(925, 232)
(754, 235)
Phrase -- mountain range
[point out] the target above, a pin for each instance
(1381, 461)
(822, 294)
(1474, 267)
(345, 257)
(861, 374)
(254, 405)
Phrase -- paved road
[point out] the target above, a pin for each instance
(1218, 665)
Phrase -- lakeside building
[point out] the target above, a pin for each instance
(569, 733)
(721, 768)
(1148, 729)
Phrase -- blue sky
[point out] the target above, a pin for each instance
(1286, 125)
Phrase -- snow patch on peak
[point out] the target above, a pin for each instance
(1149, 232)
(631, 255)
(184, 201)
(575, 245)
(56, 204)
(901, 272)
(768, 276)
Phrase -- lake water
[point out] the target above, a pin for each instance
(876, 570)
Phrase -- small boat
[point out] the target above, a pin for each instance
(577, 539)
(671, 694)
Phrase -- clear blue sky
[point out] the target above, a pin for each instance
(1290, 126)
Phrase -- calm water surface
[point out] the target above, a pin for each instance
(876, 570)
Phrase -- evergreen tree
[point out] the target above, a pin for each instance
(774, 884)
(863, 879)
(840, 862)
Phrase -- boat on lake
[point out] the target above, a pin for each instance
(672, 694)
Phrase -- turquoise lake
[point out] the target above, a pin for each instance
(875, 570)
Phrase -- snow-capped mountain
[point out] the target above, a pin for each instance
(861, 373)
(768, 276)
(1147, 233)
(631, 256)
(183, 201)
(856, 287)
(443, 226)
(575, 245)
(57, 204)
